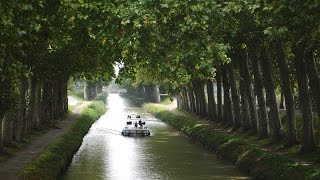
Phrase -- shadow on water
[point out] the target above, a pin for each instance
(166, 154)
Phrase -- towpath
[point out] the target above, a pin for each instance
(10, 168)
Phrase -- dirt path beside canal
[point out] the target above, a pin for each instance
(10, 168)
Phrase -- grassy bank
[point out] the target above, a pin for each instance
(58, 154)
(258, 163)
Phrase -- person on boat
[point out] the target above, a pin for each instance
(140, 123)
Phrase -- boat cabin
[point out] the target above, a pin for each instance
(135, 127)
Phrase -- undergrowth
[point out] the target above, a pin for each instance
(258, 163)
(58, 154)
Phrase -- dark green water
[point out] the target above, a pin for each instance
(166, 154)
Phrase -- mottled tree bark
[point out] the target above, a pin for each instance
(314, 81)
(249, 90)
(234, 95)
(99, 88)
(281, 104)
(196, 97)
(275, 122)
(245, 116)
(7, 127)
(308, 141)
(55, 100)
(200, 96)
(1, 132)
(263, 124)
(65, 90)
(287, 91)
(60, 98)
(228, 116)
(219, 94)
(89, 91)
(186, 99)
(33, 113)
(211, 101)
(46, 102)
(21, 109)
(179, 101)
(183, 100)
(151, 93)
(192, 101)
(202, 99)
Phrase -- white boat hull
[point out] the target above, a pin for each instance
(135, 132)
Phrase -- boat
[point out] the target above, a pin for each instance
(135, 127)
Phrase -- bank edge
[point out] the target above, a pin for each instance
(256, 162)
(58, 155)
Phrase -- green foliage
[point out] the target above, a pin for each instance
(58, 154)
(258, 163)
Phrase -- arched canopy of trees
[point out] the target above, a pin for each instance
(224, 59)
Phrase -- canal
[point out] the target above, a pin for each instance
(166, 154)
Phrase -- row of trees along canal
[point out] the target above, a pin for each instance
(43, 44)
(248, 47)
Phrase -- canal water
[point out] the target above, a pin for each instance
(166, 154)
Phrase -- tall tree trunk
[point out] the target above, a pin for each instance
(263, 124)
(219, 94)
(46, 102)
(287, 92)
(8, 128)
(183, 102)
(234, 95)
(308, 142)
(21, 109)
(186, 99)
(55, 99)
(281, 104)
(99, 88)
(66, 107)
(196, 97)
(31, 110)
(200, 97)
(245, 116)
(228, 116)
(314, 81)
(89, 91)
(34, 102)
(155, 93)
(1, 133)
(60, 98)
(214, 105)
(192, 101)
(211, 101)
(249, 90)
(179, 99)
(275, 122)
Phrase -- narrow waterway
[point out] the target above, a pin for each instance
(166, 154)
